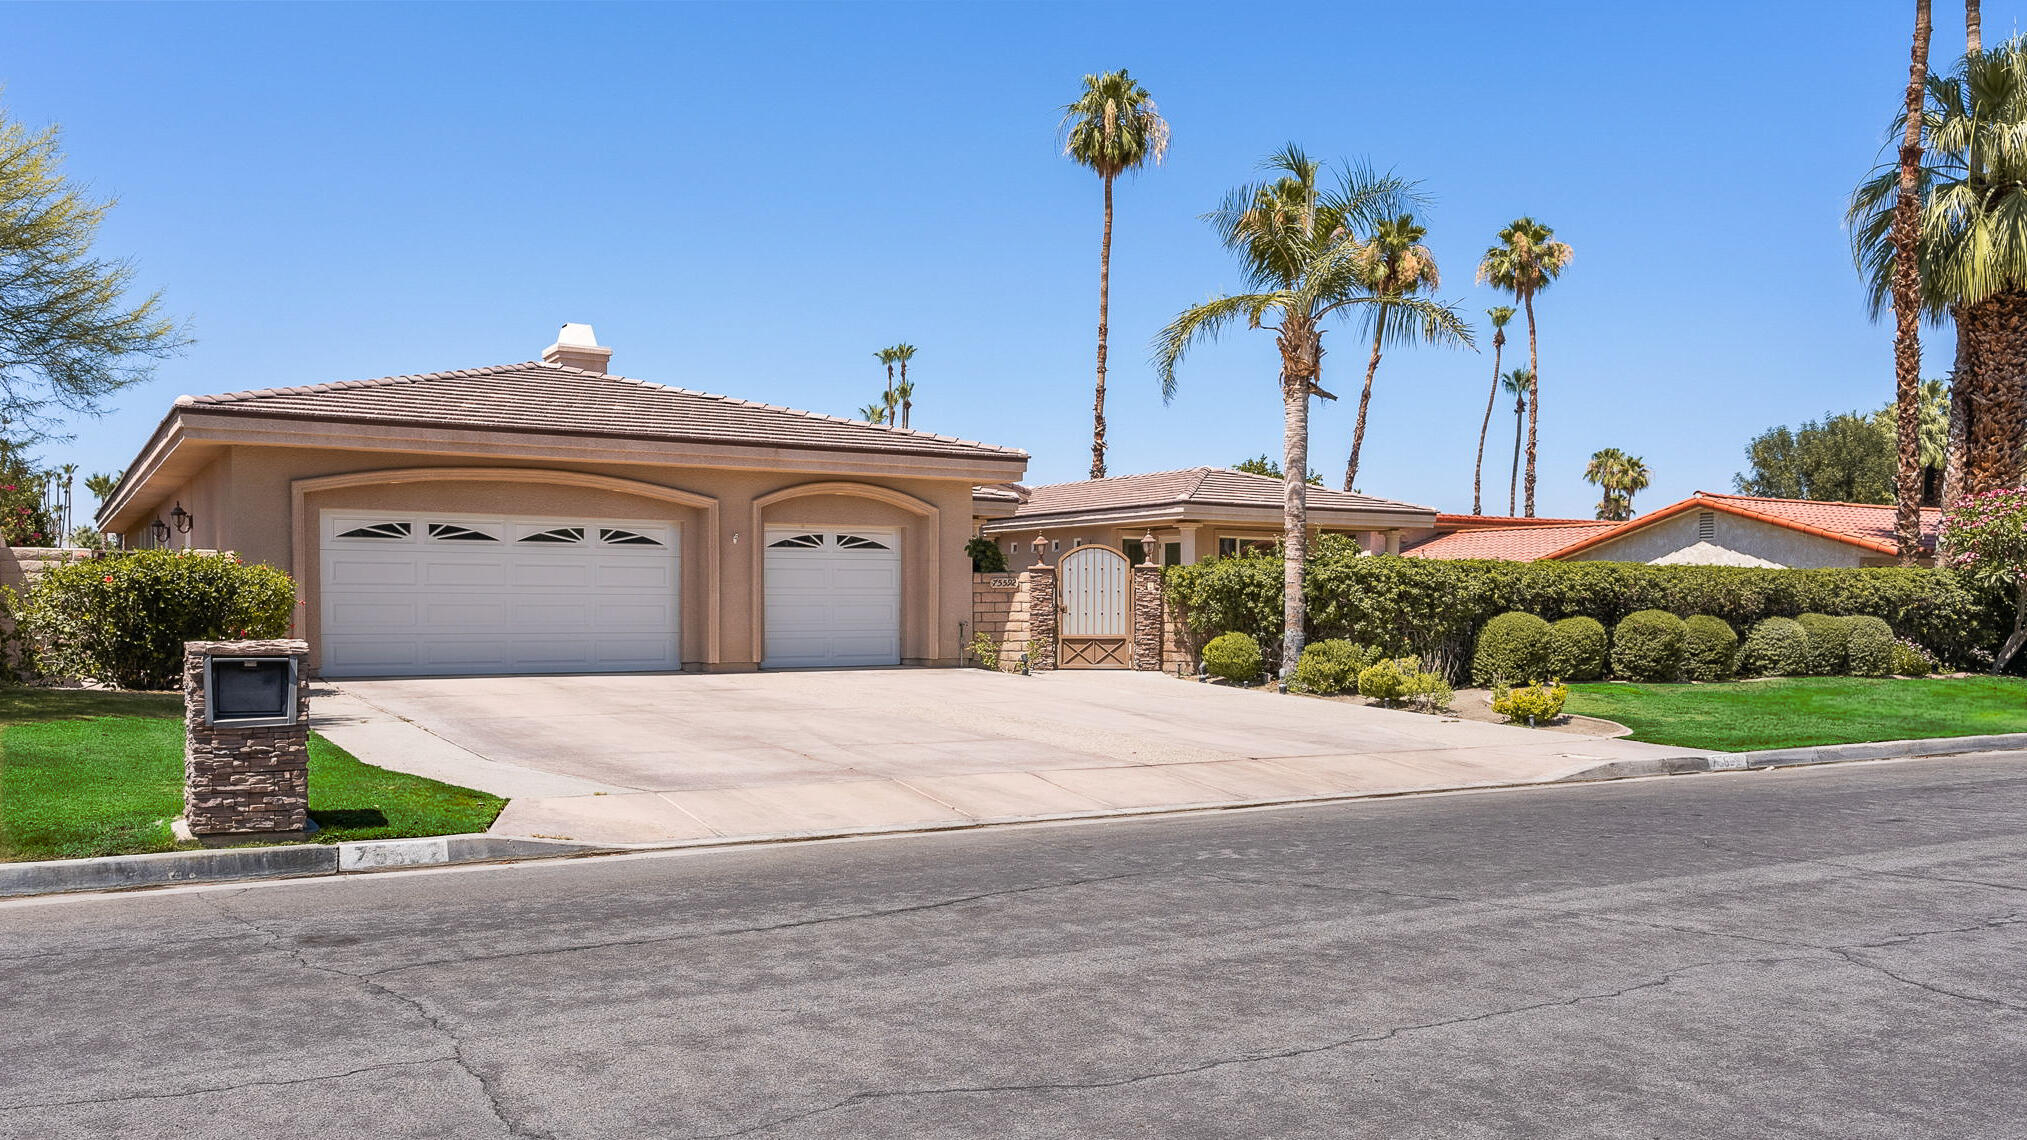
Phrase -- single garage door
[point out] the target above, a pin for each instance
(833, 598)
(421, 594)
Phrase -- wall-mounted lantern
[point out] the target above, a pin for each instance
(160, 530)
(1040, 546)
(183, 519)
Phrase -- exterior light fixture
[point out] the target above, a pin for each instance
(160, 530)
(1147, 550)
(1039, 545)
(183, 519)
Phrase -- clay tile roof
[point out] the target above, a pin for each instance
(1510, 543)
(539, 397)
(1448, 522)
(1865, 525)
(1193, 486)
(1000, 493)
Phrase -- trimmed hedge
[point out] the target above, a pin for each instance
(1512, 647)
(1871, 647)
(122, 619)
(1709, 648)
(1435, 608)
(1576, 649)
(1829, 643)
(1233, 656)
(1647, 646)
(1776, 647)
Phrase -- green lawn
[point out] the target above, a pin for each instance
(1800, 711)
(84, 773)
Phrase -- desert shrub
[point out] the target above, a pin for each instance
(122, 620)
(985, 649)
(1427, 692)
(1647, 646)
(1332, 666)
(1387, 679)
(1911, 660)
(1527, 703)
(1434, 608)
(1511, 647)
(1776, 647)
(1233, 656)
(1576, 650)
(1709, 648)
(1829, 643)
(1870, 649)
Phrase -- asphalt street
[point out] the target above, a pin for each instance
(1831, 952)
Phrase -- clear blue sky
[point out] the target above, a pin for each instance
(750, 199)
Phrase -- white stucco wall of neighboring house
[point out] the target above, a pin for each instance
(1725, 540)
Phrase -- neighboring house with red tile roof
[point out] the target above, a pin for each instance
(548, 516)
(1194, 513)
(1705, 529)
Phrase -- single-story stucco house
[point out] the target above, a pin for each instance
(551, 517)
(1193, 514)
(1704, 529)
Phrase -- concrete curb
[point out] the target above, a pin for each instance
(1797, 757)
(228, 864)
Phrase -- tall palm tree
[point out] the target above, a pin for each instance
(1397, 266)
(1498, 315)
(1907, 302)
(875, 412)
(1524, 262)
(1298, 243)
(1112, 128)
(886, 356)
(904, 392)
(1971, 253)
(1621, 476)
(1517, 383)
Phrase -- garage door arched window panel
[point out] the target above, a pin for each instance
(385, 531)
(614, 537)
(457, 532)
(831, 598)
(559, 534)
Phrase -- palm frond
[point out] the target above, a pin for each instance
(1205, 322)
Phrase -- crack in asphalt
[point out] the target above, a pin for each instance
(871, 1096)
(275, 1083)
(794, 924)
(433, 1021)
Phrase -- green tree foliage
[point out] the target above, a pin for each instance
(70, 339)
(122, 619)
(101, 484)
(1842, 458)
(24, 519)
(986, 556)
(1985, 537)
(1621, 476)
(1264, 464)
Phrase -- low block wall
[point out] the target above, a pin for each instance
(999, 609)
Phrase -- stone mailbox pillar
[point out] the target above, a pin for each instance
(246, 752)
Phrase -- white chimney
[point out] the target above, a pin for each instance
(577, 347)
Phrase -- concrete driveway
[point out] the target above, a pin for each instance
(666, 758)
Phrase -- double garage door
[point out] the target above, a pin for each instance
(411, 594)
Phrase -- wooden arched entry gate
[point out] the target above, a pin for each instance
(1093, 588)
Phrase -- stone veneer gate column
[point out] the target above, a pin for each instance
(1041, 583)
(1148, 618)
(244, 781)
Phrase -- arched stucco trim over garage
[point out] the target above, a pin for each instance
(921, 508)
(303, 530)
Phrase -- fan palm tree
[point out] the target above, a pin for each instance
(875, 412)
(904, 392)
(1971, 253)
(1112, 128)
(1526, 260)
(1397, 266)
(1299, 246)
(886, 356)
(1907, 306)
(1498, 315)
(1517, 383)
(1621, 476)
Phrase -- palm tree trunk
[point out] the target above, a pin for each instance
(1907, 307)
(1513, 480)
(1104, 315)
(1298, 371)
(1485, 429)
(888, 396)
(1533, 402)
(907, 406)
(1963, 380)
(1364, 401)
(2018, 639)
(1996, 411)
(1973, 27)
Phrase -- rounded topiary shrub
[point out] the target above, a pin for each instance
(1576, 650)
(1332, 666)
(1776, 647)
(1233, 656)
(122, 619)
(1829, 642)
(1869, 651)
(1709, 648)
(1512, 647)
(1647, 646)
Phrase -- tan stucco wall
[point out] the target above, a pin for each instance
(1736, 542)
(245, 501)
